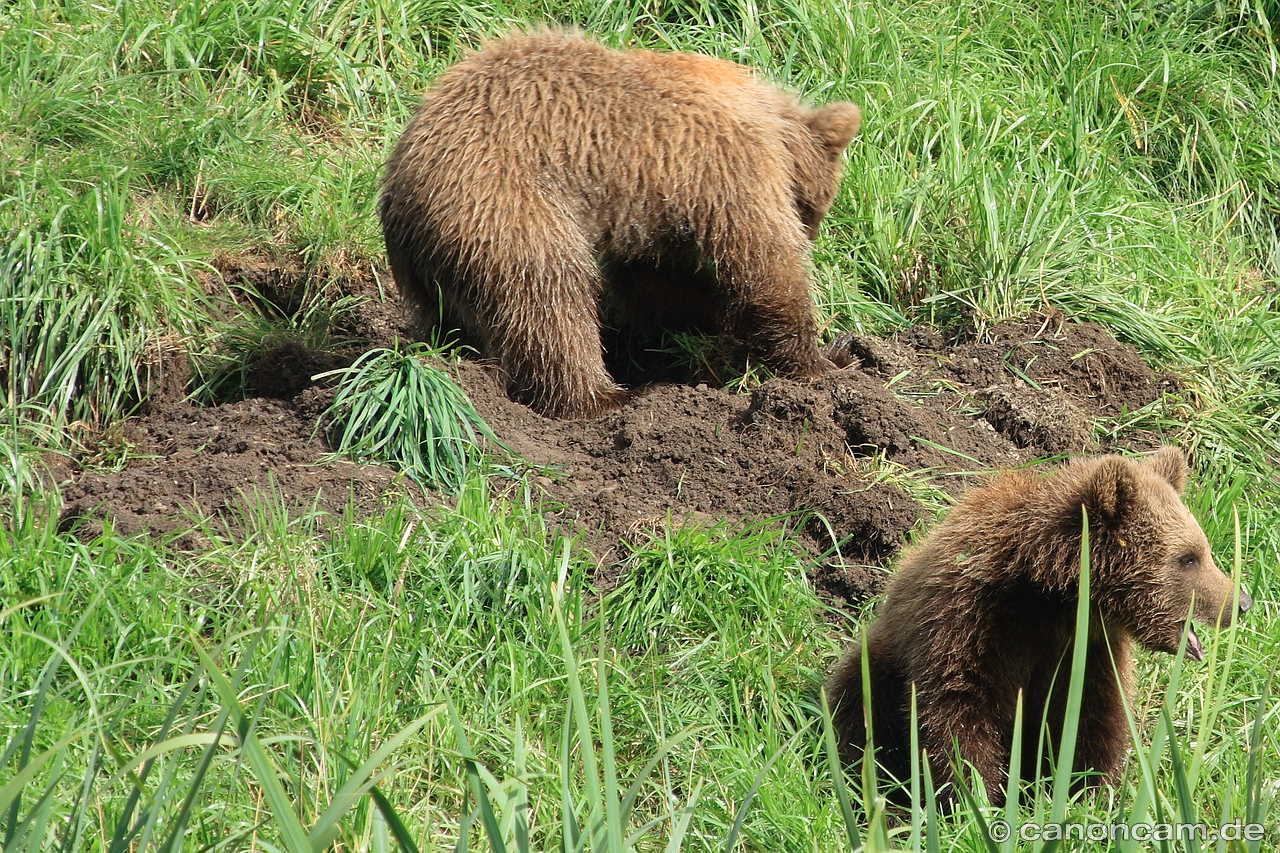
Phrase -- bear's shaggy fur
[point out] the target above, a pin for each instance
(984, 609)
(545, 168)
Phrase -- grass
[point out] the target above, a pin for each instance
(452, 680)
(394, 407)
(262, 681)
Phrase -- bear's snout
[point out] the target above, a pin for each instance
(1220, 615)
(1225, 614)
(1195, 650)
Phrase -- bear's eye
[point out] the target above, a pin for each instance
(1189, 561)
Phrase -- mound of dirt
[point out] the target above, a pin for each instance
(189, 464)
(837, 456)
(835, 460)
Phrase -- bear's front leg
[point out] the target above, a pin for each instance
(762, 265)
(957, 729)
(1103, 736)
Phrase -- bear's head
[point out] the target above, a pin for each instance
(818, 160)
(1150, 560)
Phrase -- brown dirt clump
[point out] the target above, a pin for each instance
(837, 460)
(833, 456)
(189, 463)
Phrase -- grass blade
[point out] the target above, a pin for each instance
(265, 771)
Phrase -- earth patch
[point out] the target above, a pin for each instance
(844, 462)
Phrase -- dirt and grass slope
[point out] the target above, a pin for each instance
(844, 462)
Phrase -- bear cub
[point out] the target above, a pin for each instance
(984, 608)
(547, 174)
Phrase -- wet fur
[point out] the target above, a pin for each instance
(546, 171)
(985, 607)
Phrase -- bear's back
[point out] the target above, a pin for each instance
(561, 71)
(622, 136)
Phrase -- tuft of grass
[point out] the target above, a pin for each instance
(89, 303)
(222, 372)
(391, 406)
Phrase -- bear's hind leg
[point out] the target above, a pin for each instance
(961, 719)
(545, 324)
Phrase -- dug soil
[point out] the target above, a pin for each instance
(843, 462)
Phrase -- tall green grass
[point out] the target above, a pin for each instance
(391, 406)
(449, 681)
(89, 302)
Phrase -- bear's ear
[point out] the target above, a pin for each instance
(1110, 490)
(1171, 464)
(835, 125)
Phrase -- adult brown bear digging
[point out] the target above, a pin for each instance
(984, 608)
(546, 172)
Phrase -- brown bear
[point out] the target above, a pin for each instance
(546, 172)
(984, 608)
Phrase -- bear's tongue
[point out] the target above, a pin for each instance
(1195, 651)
